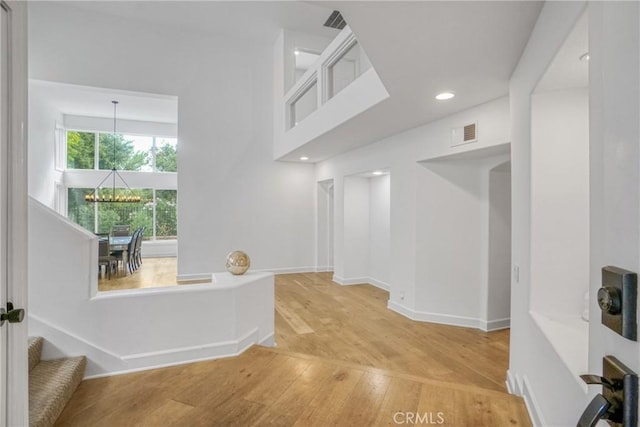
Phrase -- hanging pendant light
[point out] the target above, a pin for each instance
(96, 197)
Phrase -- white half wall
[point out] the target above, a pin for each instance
(123, 331)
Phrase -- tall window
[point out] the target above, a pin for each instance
(94, 150)
(157, 212)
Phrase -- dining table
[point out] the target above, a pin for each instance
(119, 243)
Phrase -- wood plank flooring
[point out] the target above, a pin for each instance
(342, 359)
(273, 387)
(153, 273)
(352, 323)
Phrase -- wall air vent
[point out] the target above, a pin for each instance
(464, 134)
(335, 20)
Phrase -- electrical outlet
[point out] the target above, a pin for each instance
(516, 273)
(402, 295)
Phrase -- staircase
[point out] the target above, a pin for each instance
(51, 384)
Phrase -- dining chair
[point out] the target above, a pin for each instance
(137, 251)
(105, 257)
(121, 230)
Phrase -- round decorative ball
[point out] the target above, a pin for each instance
(238, 262)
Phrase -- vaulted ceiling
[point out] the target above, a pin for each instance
(418, 48)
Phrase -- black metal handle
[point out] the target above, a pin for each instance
(596, 410)
(11, 315)
(596, 379)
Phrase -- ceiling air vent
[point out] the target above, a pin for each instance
(335, 20)
(464, 134)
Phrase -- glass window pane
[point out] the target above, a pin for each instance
(166, 154)
(349, 67)
(306, 104)
(79, 211)
(303, 61)
(166, 214)
(131, 153)
(80, 150)
(135, 215)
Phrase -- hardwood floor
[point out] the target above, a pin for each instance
(352, 323)
(153, 273)
(342, 359)
(273, 387)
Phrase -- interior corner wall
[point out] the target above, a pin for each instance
(324, 226)
(499, 281)
(356, 229)
(43, 175)
(534, 367)
(560, 205)
(450, 241)
(231, 194)
(380, 230)
(401, 154)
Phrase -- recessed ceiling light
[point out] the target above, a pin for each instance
(296, 52)
(445, 96)
(378, 172)
(584, 56)
(304, 158)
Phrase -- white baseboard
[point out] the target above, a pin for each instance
(103, 363)
(379, 284)
(288, 270)
(350, 281)
(447, 319)
(360, 280)
(532, 405)
(495, 325)
(203, 277)
(324, 269)
(513, 384)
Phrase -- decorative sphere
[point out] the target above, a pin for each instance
(238, 262)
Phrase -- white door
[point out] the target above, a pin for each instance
(13, 188)
(614, 74)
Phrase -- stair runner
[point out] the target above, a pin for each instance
(51, 384)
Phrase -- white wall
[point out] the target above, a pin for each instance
(560, 201)
(356, 230)
(614, 37)
(453, 243)
(380, 230)
(324, 227)
(231, 195)
(535, 367)
(43, 175)
(134, 329)
(400, 154)
(499, 283)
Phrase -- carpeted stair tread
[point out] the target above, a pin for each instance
(51, 384)
(35, 351)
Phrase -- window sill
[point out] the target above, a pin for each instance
(569, 337)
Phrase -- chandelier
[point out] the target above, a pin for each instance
(114, 175)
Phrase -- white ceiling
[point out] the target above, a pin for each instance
(258, 21)
(420, 49)
(96, 102)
